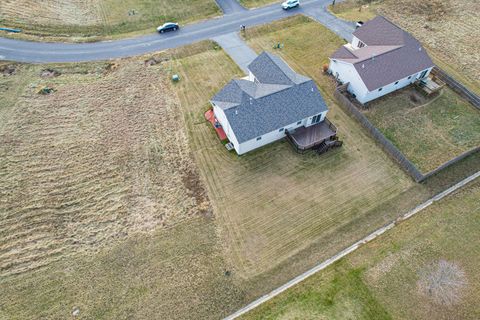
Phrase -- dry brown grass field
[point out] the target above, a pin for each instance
(90, 164)
(447, 28)
(101, 208)
(90, 18)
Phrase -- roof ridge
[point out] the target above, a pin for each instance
(394, 47)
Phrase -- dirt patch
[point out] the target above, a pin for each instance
(49, 73)
(156, 60)
(191, 181)
(7, 70)
(111, 67)
(442, 282)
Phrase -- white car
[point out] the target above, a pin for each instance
(289, 4)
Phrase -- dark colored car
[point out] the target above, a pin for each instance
(169, 26)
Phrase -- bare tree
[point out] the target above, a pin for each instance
(443, 282)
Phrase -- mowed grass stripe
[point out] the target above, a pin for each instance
(273, 202)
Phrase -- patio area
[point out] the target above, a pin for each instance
(210, 116)
(306, 138)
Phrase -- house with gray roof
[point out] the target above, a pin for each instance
(381, 58)
(272, 101)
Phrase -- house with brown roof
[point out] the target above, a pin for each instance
(380, 59)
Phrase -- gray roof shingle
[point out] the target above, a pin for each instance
(281, 98)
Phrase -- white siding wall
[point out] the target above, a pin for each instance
(266, 138)
(220, 115)
(371, 95)
(346, 72)
(355, 42)
(273, 136)
(251, 77)
(309, 120)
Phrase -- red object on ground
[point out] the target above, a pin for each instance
(210, 116)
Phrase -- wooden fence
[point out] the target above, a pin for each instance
(457, 87)
(387, 146)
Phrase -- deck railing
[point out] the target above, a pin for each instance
(302, 149)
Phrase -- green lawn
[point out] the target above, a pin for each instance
(430, 131)
(384, 279)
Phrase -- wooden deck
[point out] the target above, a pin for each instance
(210, 116)
(306, 138)
(429, 85)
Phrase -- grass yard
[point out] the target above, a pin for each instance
(430, 131)
(272, 203)
(446, 28)
(99, 18)
(389, 277)
(257, 3)
(102, 208)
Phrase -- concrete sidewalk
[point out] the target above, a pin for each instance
(237, 49)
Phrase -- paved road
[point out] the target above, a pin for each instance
(237, 49)
(230, 6)
(38, 52)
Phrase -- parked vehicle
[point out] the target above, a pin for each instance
(169, 26)
(289, 4)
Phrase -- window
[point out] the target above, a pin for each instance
(299, 122)
(396, 82)
(280, 130)
(380, 89)
(259, 138)
(361, 44)
(409, 77)
(422, 75)
(316, 119)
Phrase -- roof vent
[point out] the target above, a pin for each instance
(419, 48)
(312, 89)
(363, 65)
(236, 111)
(251, 99)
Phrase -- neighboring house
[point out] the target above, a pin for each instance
(381, 58)
(262, 107)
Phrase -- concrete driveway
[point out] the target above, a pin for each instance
(237, 49)
(230, 6)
